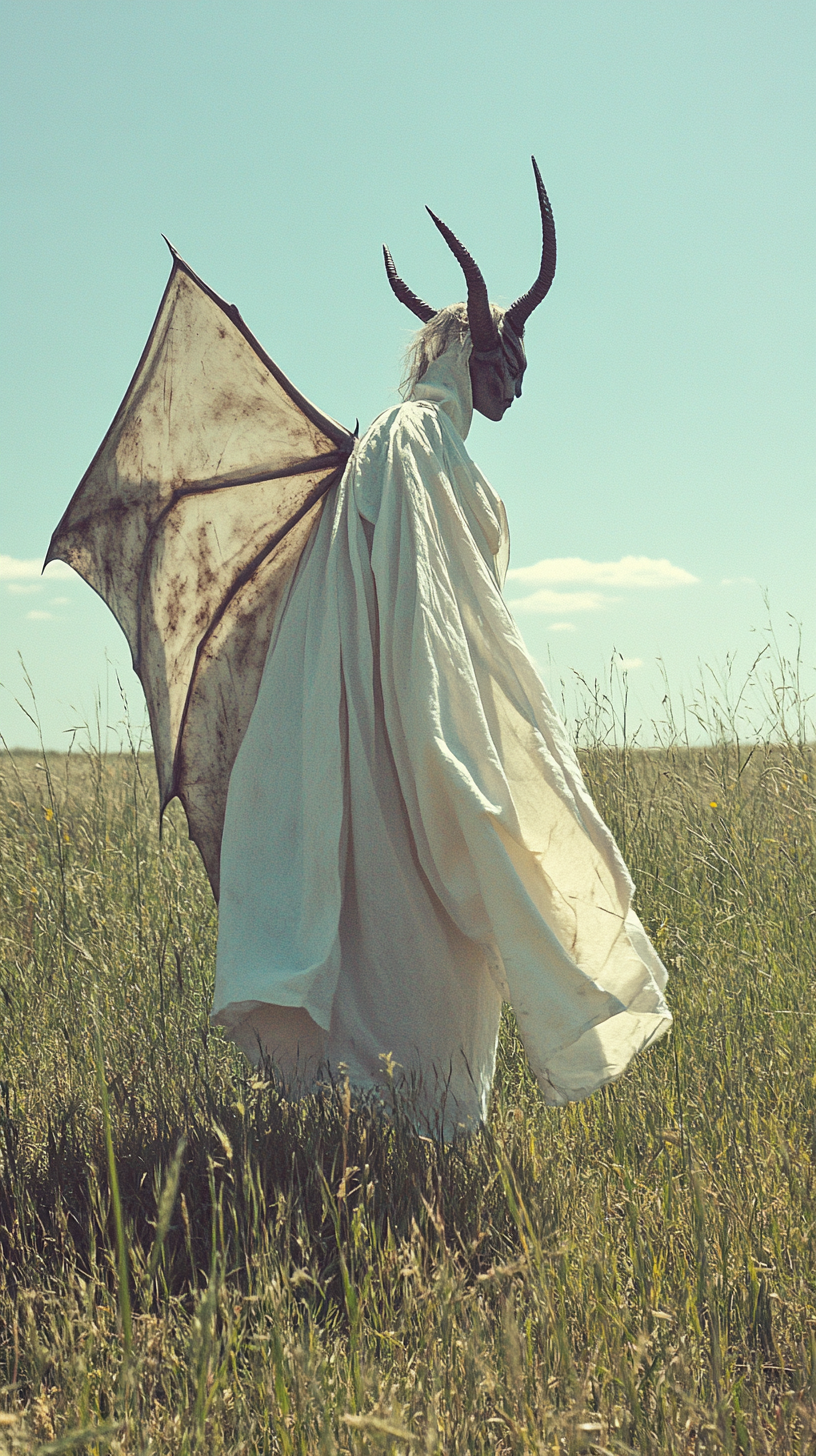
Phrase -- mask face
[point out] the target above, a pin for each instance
(496, 377)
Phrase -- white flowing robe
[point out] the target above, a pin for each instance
(408, 837)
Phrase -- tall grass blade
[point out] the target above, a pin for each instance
(113, 1178)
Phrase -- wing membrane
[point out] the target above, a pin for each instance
(189, 523)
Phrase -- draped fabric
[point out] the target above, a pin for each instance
(408, 838)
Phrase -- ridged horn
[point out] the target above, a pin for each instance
(483, 328)
(519, 312)
(405, 294)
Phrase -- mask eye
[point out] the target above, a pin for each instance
(514, 365)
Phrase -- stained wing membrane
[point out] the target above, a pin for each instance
(189, 523)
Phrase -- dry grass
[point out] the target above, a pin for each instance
(635, 1273)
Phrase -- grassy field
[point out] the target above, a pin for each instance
(189, 1264)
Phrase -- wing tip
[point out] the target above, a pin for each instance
(52, 554)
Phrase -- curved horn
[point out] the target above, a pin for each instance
(483, 329)
(404, 293)
(519, 312)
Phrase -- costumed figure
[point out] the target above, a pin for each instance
(390, 811)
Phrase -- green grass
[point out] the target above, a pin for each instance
(190, 1264)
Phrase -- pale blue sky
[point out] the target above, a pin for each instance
(668, 407)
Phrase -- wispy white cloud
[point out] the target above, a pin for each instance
(629, 663)
(39, 616)
(59, 601)
(738, 581)
(23, 588)
(630, 571)
(563, 627)
(555, 601)
(13, 569)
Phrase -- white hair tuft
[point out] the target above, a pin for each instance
(448, 326)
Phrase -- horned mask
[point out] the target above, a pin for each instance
(498, 359)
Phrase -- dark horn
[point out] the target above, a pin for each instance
(519, 312)
(483, 329)
(406, 294)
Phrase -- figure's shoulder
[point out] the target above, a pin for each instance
(407, 412)
(403, 444)
(413, 422)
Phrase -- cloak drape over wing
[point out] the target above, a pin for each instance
(409, 839)
(189, 523)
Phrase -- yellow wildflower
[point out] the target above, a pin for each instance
(49, 814)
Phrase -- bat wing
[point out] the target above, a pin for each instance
(189, 523)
